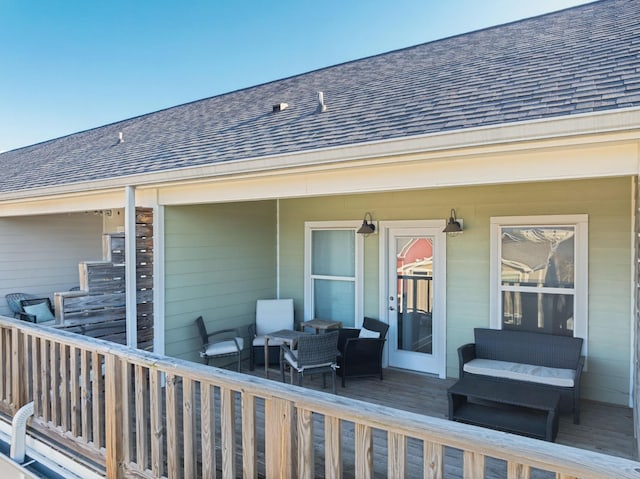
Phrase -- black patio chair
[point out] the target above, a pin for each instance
(36, 310)
(361, 350)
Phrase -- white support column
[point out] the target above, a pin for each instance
(278, 248)
(635, 299)
(158, 279)
(130, 266)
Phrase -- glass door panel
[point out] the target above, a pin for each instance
(415, 294)
(415, 312)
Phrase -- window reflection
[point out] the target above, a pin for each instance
(538, 312)
(415, 293)
(535, 260)
(540, 256)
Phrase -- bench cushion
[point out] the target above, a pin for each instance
(521, 372)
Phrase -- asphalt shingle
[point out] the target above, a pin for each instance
(574, 61)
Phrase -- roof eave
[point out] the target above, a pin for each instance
(564, 130)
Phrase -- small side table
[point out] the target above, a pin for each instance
(321, 324)
(287, 336)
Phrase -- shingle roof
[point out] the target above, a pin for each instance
(579, 60)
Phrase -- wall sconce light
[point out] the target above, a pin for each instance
(454, 226)
(367, 227)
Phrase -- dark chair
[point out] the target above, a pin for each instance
(219, 344)
(13, 301)
(36, 310)
(314, 354)
(361, 352)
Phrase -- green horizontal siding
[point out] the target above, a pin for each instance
(219, 259)
(607, 202)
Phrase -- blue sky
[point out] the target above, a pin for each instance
(71, 65)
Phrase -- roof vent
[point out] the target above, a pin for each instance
(280, 107)
(321, 106)
(120, 138)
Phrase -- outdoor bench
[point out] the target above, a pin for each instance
(552, 363)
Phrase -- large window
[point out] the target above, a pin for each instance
(539, 274)
(333, 272)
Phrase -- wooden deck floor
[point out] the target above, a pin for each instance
(603, 428)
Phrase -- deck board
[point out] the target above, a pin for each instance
(604, 428)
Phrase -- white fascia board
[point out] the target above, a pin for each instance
(509, 167)
(590, 128)
(67, 203)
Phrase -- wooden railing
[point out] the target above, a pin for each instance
(131, 413)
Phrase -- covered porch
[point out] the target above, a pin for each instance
(215, 255)
(221, 242)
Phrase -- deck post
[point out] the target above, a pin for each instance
(249, 443)
(113, 418)
(18, 385)
(278, 438)
(228, 432)
(332, 447)
(306, 453)
(364, 451)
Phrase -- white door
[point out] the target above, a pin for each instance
(415, 299)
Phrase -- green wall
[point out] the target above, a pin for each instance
(219, 259)
(607, 202)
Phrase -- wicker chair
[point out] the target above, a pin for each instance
(315, 354)
(13, 301)
(221, 343)
(361, 356)
(36, 310)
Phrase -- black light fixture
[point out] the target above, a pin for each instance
(453, 225)
(367, 227)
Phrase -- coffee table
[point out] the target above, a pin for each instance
(518, 407)
(287, 336)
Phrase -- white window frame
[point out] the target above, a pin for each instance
(309, 227)
(581, 286)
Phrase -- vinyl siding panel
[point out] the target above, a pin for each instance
(40, 254)
(606, 201)
(219, 259)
